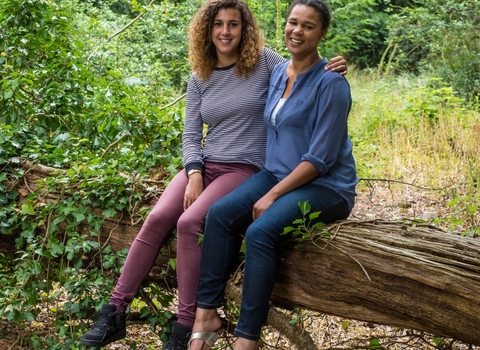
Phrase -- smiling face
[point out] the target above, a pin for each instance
(303, 31)
(227, 35)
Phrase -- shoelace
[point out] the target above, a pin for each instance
(103, 320)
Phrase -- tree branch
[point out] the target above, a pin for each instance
(404, 183)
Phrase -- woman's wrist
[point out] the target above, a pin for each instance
(193, 171)
(193, 168)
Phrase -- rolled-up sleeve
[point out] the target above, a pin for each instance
(330, 125)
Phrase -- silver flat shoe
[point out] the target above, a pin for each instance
(209, 338)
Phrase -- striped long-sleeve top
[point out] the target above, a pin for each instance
(232, 109)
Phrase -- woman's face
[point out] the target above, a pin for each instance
(227, 33)
(303, 31)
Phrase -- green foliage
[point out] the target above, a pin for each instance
(65, 107)
(57, 255)
(465, 211)
(304, 228)
(271, 18)
(375, 344)
(439, 342)
(298, 316)
(428, 101)
(121, 7)
(40, 72)
(83, 116)
(441, 36)
(153, 51)
(358, 32)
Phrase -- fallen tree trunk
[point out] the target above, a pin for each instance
(398, 274)
(392, 273)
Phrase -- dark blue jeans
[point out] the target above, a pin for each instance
(232, 215)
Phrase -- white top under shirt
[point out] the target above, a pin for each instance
(276, 109)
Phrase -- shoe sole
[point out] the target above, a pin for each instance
(93, 343)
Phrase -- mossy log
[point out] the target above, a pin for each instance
(394, 273)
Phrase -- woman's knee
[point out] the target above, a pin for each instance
(157, 221)
(257, 237)
(222, 208)
(190, 224)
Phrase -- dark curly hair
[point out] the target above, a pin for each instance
(202, 51)
(320, 6)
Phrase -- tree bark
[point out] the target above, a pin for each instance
(393, 273)
(397, 274)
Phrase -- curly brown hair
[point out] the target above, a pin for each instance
(202, 51)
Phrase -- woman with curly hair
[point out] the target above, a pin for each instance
(226, 92)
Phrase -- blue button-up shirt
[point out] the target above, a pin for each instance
(312, 126)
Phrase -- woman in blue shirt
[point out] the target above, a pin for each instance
(309, 158)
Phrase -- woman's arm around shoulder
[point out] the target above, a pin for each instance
(337, 64)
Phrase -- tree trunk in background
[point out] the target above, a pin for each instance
(391, 273)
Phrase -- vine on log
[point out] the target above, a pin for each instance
(404, 274)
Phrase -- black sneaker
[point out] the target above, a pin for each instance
(179, 337)
(110, 326)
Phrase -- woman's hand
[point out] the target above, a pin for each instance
(337, 64)
(302, 174)
(262, 204)
(193, 191)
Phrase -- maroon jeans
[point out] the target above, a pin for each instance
(219, 179)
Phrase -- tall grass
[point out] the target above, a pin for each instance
(416, 130)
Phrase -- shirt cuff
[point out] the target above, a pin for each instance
(193, 166)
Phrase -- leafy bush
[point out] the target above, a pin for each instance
(83, 115)
(358, 29)
(358, 32)
(41, 70)
(151, 52)
(443, 37)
